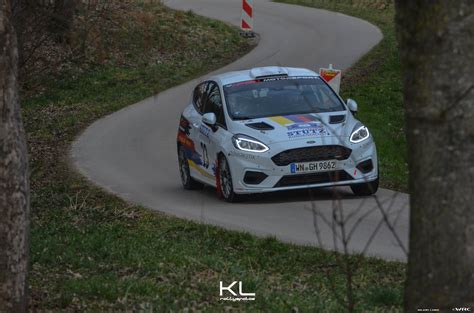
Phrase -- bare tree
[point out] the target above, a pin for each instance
(62, 17)
(437, 52)
(14, 187)
(19, 22)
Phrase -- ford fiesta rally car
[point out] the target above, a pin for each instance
(270, 129)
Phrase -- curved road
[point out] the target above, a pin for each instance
(132, 152)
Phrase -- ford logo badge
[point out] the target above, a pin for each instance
(310, 142)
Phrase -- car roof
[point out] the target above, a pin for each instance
(259, 72)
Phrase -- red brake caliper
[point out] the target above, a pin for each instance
(218, 180)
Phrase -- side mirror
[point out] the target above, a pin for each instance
(352, 105)
(209, 119)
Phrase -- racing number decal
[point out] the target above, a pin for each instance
(205, 156)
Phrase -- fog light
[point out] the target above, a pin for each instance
(365, 166)
(254, 178)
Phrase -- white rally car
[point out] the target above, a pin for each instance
(270, 129)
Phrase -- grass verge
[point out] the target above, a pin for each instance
(91, 251)
(375, 83)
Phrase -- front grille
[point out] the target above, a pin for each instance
(311, 154)
(313, 178)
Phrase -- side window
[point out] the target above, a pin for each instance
(199, 97)
(214, 103)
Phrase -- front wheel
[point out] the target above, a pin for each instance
(186, 179)
(225, 181)
(366, 189)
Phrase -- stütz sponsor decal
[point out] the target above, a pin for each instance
(307, 129)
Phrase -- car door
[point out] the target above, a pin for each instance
(193, 119)
(211, 138)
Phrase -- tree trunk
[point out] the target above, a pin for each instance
(14, 188)
(437, 53)
(62, 18)
(19, 22)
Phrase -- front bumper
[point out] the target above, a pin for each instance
(276, 178)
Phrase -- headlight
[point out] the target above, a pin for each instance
(246, 143)
(360, 133)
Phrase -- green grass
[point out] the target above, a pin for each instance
(375, 83)
(111, 257)
(91, 251)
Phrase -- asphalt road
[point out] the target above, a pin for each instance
(132, 153)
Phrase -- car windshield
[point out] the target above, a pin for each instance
(280, 96)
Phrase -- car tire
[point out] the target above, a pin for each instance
(225, 181)
(366, 189)
(188, 182)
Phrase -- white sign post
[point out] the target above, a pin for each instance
(247, 18)
(332, 77)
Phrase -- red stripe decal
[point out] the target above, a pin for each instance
(305, 118)
(301, 118)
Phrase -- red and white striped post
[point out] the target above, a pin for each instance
(247, 17)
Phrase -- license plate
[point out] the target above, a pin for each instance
(322, 166)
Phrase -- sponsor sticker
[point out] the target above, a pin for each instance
(243, 155)
(185, 141)
(268, 79)
(298, 126)
(313, 129)
(204, 130)
(301, 125)
(184, 125)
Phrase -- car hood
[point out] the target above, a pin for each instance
(320, 128)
